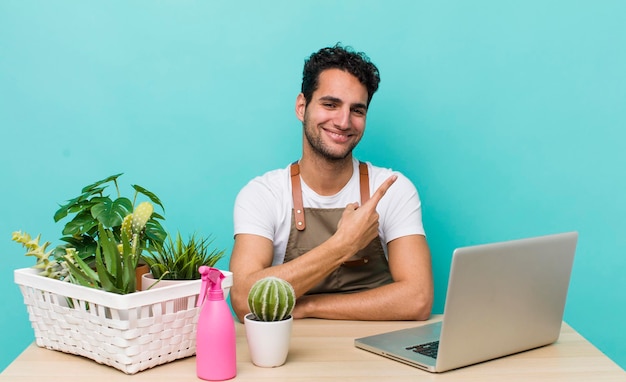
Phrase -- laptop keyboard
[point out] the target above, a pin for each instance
(428, 349)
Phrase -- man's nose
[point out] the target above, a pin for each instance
(342, 118)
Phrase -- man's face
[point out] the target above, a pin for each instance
(334, 120)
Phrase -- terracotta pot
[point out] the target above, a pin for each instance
(141, 270)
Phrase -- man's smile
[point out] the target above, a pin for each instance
(337, 137)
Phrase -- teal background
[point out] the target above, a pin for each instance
(508, 117)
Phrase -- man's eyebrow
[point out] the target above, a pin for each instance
(359, 106)
(331, 99)
(338, 100)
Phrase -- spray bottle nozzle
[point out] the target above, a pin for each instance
(211, 283)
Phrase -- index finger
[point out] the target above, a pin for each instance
(382, 189)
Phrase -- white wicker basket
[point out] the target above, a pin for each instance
(130, 332)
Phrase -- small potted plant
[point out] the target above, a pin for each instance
(177, 260)
(268, 325)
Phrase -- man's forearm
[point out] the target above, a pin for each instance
(396, 301)
(311, 268)
(303, 273)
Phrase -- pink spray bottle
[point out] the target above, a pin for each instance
(216, 357)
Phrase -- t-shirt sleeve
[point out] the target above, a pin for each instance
(255, 210)
(400, 209)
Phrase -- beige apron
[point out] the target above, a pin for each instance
(367, 269)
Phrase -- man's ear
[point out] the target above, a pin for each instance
(300, 106)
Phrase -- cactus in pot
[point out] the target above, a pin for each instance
(271, 299)
(268, 325)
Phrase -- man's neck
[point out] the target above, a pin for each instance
(323, 176)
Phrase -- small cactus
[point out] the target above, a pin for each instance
(141, 215)
(126, 227)
(271, 299)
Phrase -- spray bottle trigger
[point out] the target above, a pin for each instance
(211, 283)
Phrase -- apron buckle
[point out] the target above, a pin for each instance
(356, 263)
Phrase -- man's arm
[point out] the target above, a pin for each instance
(409, 297)
(252, 258)
(252, 254)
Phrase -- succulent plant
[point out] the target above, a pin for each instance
(47, 265)
(271, 299)
(177, 259)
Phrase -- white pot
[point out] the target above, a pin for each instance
(268, 342)
(147, 280)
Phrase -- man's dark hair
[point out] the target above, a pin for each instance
(344, 58)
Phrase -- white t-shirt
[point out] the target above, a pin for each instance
(264, 206)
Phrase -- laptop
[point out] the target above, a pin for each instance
(502, 298)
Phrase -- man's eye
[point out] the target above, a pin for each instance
(329, 105)
(359, 111)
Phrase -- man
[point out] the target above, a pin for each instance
(349, 254)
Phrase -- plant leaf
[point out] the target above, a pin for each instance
(72, 206)
(155, 199)
(111, 213)
(81, 223)
(83, 274)
(156, 215)
(107, 280)
(64, 209)
(91, 187)
(80, 206)
(155, 233)
(109, 249)
(85, 246)
(129, 262)
(108, 261)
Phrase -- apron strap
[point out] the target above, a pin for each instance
(296, 191)
(364, 182)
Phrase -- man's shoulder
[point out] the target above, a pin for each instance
(374, 169)
(274, 182)
(402, 186)
(382, 173)
(272, 177)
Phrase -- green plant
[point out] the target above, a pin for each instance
(271, 299)
(93, 208)
(115, 262)
(104, 239)
(48, 266)
(180, 260)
